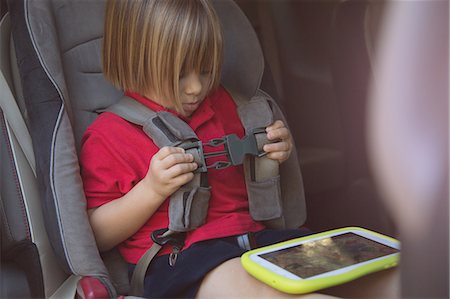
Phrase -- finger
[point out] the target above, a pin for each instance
(276, 125)
(169, 176)
(181, 168)
(168, 150)
(279, 133)
(277, 147)
(176, 158)
(183, 179)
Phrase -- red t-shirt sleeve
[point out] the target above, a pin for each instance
(106, 168)
(98, 161)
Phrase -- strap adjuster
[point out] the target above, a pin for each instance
(235, 150)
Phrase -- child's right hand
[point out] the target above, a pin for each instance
(170, 168)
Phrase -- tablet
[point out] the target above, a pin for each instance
(322, 260)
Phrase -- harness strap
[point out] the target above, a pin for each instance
(261, 173)
(189, 204)
(163, 127)
(160, 238)
(137, 280)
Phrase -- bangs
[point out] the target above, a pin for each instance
(201, 49)
(198, 47)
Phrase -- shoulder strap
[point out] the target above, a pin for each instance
(188, 205)
(276, 194)
(261, 173)
(291, 181)
(163, 127)
(256, 114)
(131, 110)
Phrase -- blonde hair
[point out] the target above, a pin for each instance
(149, 44)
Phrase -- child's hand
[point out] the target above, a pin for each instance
(280, 150)
(170, 168)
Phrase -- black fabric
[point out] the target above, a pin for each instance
(184, 279)
(42, 99)
(23, 261)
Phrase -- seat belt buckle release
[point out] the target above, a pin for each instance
(235, 150)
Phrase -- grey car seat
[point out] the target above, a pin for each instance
(28, 266)
(58, 43)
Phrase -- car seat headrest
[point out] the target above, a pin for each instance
(243, 64)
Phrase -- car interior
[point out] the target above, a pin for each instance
(324, 67)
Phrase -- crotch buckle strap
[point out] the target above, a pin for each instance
(235, 149)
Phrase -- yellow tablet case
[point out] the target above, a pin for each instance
(313, 284)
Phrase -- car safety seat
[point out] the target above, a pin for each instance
(58, 48)
(29, 268)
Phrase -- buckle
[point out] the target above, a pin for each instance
(235, 150)
(177, 239)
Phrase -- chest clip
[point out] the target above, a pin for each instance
(234, 151)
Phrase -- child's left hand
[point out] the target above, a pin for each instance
(280, 150)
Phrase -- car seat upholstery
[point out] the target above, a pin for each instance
(57, 172)
(58, 45)
(29, 269)
(20, 271)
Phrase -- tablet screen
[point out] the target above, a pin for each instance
(328, 254)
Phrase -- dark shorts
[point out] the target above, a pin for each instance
(184, 279)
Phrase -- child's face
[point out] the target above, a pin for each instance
(193, 90)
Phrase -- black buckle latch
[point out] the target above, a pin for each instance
(158, 236)
(235, 150)
(176, 240)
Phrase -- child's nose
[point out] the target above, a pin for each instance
(193, 84)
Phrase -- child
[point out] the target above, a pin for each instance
(167, 56)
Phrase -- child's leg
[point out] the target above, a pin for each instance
(232, 281)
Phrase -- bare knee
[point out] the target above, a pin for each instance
(227, 280)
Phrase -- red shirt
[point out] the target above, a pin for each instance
(115, 155)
